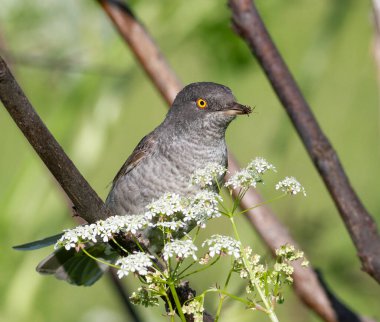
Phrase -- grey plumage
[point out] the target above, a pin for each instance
(192, 135)
(164, 160)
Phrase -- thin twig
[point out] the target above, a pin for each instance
(263, 219)
(361, 226)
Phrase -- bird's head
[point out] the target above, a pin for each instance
(206, 103)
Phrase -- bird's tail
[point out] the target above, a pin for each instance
(72, 266)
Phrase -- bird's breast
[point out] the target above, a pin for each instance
(167, 169)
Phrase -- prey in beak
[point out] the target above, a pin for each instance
(237, 109)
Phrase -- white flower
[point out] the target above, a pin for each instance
(291, 186)
(289, 252)
(137, 262)
(242, 179)
(284, 267)
(171, 225)
(167, 205)
(194, 307)
(180, 248)
(219, 244)
(102, 229)
(202, 207)
(130, 223)
(76, 236)
(260, 165)
(208, 175)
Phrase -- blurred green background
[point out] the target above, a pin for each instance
(98, 103)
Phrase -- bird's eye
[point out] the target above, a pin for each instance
(201, 103)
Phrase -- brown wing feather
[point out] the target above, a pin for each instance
(139, 153)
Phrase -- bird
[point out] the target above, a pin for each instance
(191, 136)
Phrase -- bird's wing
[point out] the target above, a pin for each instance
(76, 267)
(144, 148)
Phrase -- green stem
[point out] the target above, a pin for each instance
(201, 269)
(268, 307)
(262, 203)
(236, 298)
(170, 307)
(121, 247)
(177, 302)
(225, 210)
(139, 245)
(196, 233)
(221, 299)
(236, 201)
(186, 268)
(273, 316)
(99, 260)
(217, 184)
(176, 268)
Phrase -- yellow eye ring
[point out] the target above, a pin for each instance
(201, 103)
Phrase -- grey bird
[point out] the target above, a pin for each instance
(191, 135)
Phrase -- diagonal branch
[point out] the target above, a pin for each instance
(143, 46)
(86, 202)
(262, 219)
(358, 221)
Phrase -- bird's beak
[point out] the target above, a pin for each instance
(238, 109)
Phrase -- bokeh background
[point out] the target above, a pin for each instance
(95, 99)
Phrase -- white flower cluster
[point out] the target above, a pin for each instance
(218, 244)
(285, 254)
(289, 252)
(291, 186)
(101, 230)
(260, 165)
(251, 175)
(202, 207)
(207, 176)
(284, 267)
(181, 249)
(242, 179)
(137, 262)
(174, 212)
(195, 307)
(168, 204)
(170, 212)
(252, 264)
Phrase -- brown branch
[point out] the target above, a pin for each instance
(143, 46)
(262, 219)
(358, 221)
(86, 202)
